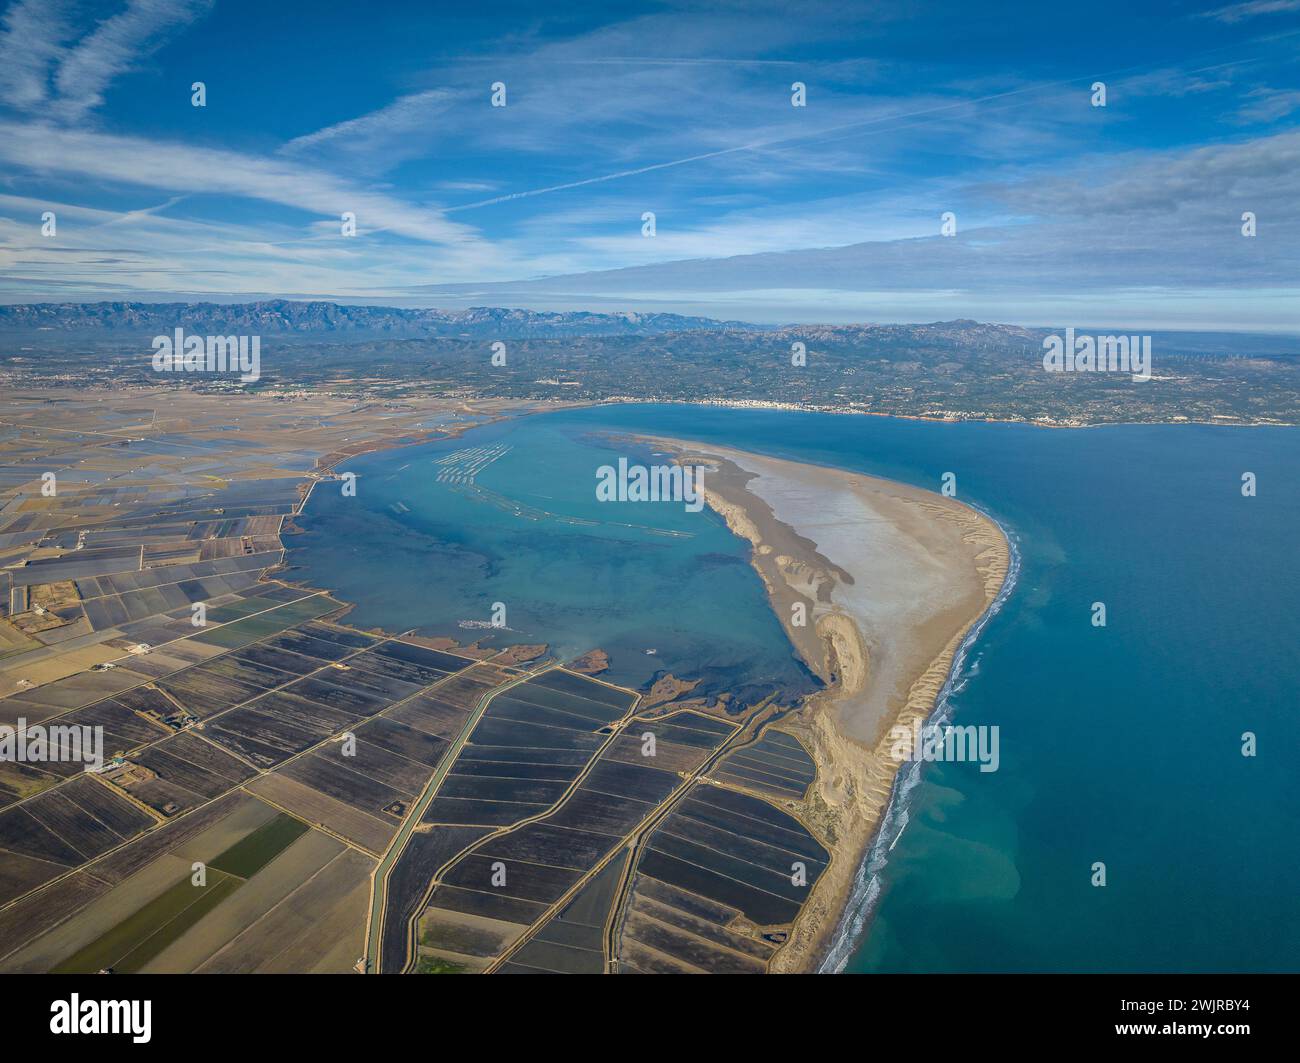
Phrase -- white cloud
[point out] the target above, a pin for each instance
(183, 169)
(41, 67)
(406, 128)
(32, 42)
(115, 46)
(1155, 221)
(1268, 105)
(1253, 9)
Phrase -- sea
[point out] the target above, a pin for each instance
(1145, 814)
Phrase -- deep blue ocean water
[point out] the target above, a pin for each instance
(1119, 744)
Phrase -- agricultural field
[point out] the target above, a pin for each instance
(577, 816)
(240, 727)
(277, 791)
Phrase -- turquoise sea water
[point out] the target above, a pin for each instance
(1119, 744)
(416, 551)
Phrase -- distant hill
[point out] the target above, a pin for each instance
(289, 319)
(281, 316)
(950, 369)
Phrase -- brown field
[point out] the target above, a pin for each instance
(312, 806)
(258, 896)
(318, 927)
(136, 890)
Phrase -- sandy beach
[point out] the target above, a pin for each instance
(876, 583)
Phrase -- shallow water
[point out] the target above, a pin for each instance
(1119, 744)
(415, 551)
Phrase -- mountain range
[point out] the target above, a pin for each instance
(279, 316)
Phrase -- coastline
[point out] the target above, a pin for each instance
(865, 891)
(849, 811)
(854, 411)
(893, 583)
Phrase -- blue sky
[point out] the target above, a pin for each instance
(1066, 213)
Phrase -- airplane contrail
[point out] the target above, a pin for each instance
(862, 125)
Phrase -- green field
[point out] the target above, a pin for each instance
(437, 965)
(249, 855)
(250, 629)
(141, 936)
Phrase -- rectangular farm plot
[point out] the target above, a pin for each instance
(288, 721)
(489, 905)
(652, 944)
(681, 742)
(60, 829)
(255, 675)
(738, 851)
(186, 775)
(132, 943)
(332, 688)
(328, 773)
(455, 942)
(253, 852)
(283, 661)
(306, 713)
(32, 916)
(542, 843)
(341, 635)
(407, 742)
(202, 692)
(777, 764)
(292, 920)
(521, 727)
(358, 756)
(121, 816)
(19, 781)
(156, 783)
(374, 683)
(500, 730)
(20, 874)
(519, 880)
(206, 757)
(261, 738)
(369, 832)
(573, 940)
(466, 689)
(279, 618)
(298, 641)
(584, 687)
(124, 728)
(414, 664)
(72, 692)
(432, 713)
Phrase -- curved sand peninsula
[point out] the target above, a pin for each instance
(890, 579)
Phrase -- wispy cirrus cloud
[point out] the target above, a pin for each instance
(1157, 223)
(661, 106)
(51, 58)
(378, 140)
(1252, 9)
(33, 39)
(1268, 105)
(185, 169)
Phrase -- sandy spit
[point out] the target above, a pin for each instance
(876, 583)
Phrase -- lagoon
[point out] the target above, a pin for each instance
(1119, 744)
